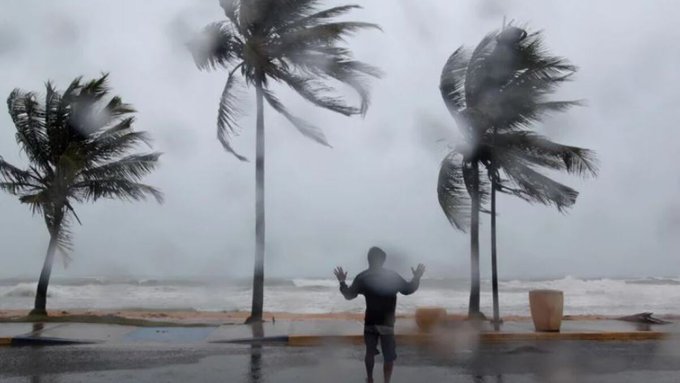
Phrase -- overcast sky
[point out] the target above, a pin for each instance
(377, 186)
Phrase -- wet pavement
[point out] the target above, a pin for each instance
(14, 329)
(543, 362)
(81, 331)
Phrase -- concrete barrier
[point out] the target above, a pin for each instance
(486, 337)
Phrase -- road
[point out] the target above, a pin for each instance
(543, 362)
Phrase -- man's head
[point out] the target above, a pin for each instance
(376, 257)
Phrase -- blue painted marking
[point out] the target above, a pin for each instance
(170, 334)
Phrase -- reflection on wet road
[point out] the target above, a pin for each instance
(545, 362)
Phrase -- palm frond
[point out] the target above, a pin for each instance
(474, 124)
(65, 241)
(231, 11)
(19, 188)
(11, 173)
(132, 167)
(36, 200)
(452, 81)
(72, 90)
(274, 15)
(522, 99)
(452, 193)
(217, 46)
(85, 116)
(74, 143)
(317, 93)
(476, 71)
(115, 141)
(54, 111)
(28, 118)
(354, 74)
(535, 187)
(308, 130)
(95, 89)
(72, 211)
(320, 17)
(320, 35)
(532, 50)
(539, 150)
(228, 114)
(327, 60)
(498, 65)
(58, 110)
(123, 127)
(117, 108)
(289, 41)
(94, 189)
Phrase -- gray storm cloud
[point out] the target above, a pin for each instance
(377, 185)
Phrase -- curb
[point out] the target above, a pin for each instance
(316, 340)
(421, 339)
(20, 341)
(628, 336)
(271, 339)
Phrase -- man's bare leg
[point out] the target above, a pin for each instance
(387, 371)
(369, 360)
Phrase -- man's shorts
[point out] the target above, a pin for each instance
(387, 343)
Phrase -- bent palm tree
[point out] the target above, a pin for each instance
(290, 42)
(496, 94)
(77, 144)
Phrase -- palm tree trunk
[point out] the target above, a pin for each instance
(473, 308)
(40, 306)
(494, 269)
(258, 273)
(494, 263)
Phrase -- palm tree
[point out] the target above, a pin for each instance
(292, 42)
(77, 144)
(496, 94)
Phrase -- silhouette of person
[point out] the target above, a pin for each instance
(379, 286)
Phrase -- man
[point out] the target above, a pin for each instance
(380, 287)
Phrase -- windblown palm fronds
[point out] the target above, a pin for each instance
(78, 144)
(496, 94)
(292, 42)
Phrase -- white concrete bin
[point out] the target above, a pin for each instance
(546, 309)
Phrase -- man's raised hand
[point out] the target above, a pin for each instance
(418, 271)
(340, 274)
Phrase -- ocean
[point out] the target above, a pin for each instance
(582, 296)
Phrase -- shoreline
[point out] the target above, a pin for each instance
(188, 317)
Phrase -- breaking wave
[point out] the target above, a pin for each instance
(606, 296)
(27, 290)
(315, 283)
